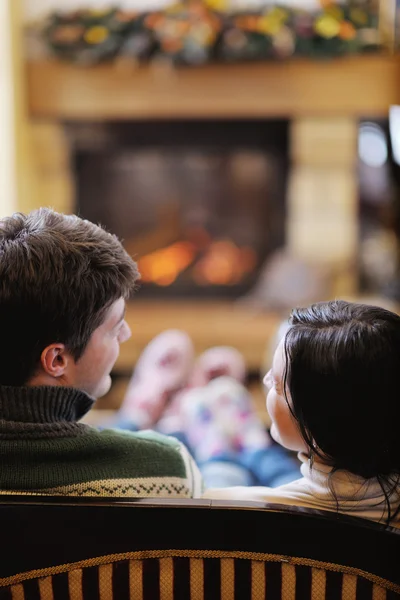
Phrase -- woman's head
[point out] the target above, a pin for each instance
(337, 370)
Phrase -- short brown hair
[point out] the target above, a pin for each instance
(58, 276)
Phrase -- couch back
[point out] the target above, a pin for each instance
(88, 549)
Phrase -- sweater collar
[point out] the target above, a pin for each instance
(44, 404)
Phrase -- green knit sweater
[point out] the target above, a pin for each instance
(45, 450)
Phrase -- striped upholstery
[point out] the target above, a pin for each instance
(46, 569)
(184, 577)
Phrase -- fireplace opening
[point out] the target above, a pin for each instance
(199, 204)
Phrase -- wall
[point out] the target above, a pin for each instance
(36, 8)
(7, 145)
(15, 165)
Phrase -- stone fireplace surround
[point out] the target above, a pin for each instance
(323, 100)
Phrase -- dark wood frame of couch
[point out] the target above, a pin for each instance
(41, 532)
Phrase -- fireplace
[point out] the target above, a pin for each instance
(199, 203)
(318, 218)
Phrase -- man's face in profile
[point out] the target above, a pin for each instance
(92, 370)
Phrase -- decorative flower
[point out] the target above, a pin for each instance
(359, 16)
(326, 26)
(203, 33)
(370, 36)
(172, 45)
(268, 25)
(198, 31)
(304, 26)
(155, 20)
(347, 31)
(175, 8)
(98, 13)
(218, 5)
(235, 39)
(173, 28)
(67, 34)
(279, 13)
(335, 11)
(247, 23)
(71, 17)
(284, 42)
(272, 22)
(96, 34)
(124, 16)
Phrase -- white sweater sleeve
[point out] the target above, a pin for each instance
(194, 478)
(295, 493)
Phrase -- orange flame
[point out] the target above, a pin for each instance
(223, 263)
(163, 266)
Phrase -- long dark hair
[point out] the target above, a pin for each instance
(343, 377)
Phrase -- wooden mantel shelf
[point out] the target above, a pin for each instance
(357, 86)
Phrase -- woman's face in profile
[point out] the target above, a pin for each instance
(284, 428)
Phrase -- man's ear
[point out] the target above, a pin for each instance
(54, 360)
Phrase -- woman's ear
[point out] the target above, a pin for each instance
(54, 360)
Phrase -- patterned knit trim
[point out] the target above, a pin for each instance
(146, 554)
(142, 487)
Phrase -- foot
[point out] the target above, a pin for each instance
(162, 370)
(220, 419)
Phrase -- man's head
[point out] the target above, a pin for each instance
(63, 285)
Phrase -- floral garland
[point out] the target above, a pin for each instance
(202, 31)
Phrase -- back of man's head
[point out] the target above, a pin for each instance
(58, 276)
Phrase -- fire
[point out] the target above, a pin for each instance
(224, 264)
(221, 262)
(163, 266)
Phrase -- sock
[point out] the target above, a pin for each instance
(219, 419)
(162, 369)
(216, 362)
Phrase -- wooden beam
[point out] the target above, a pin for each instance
(357, 86)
